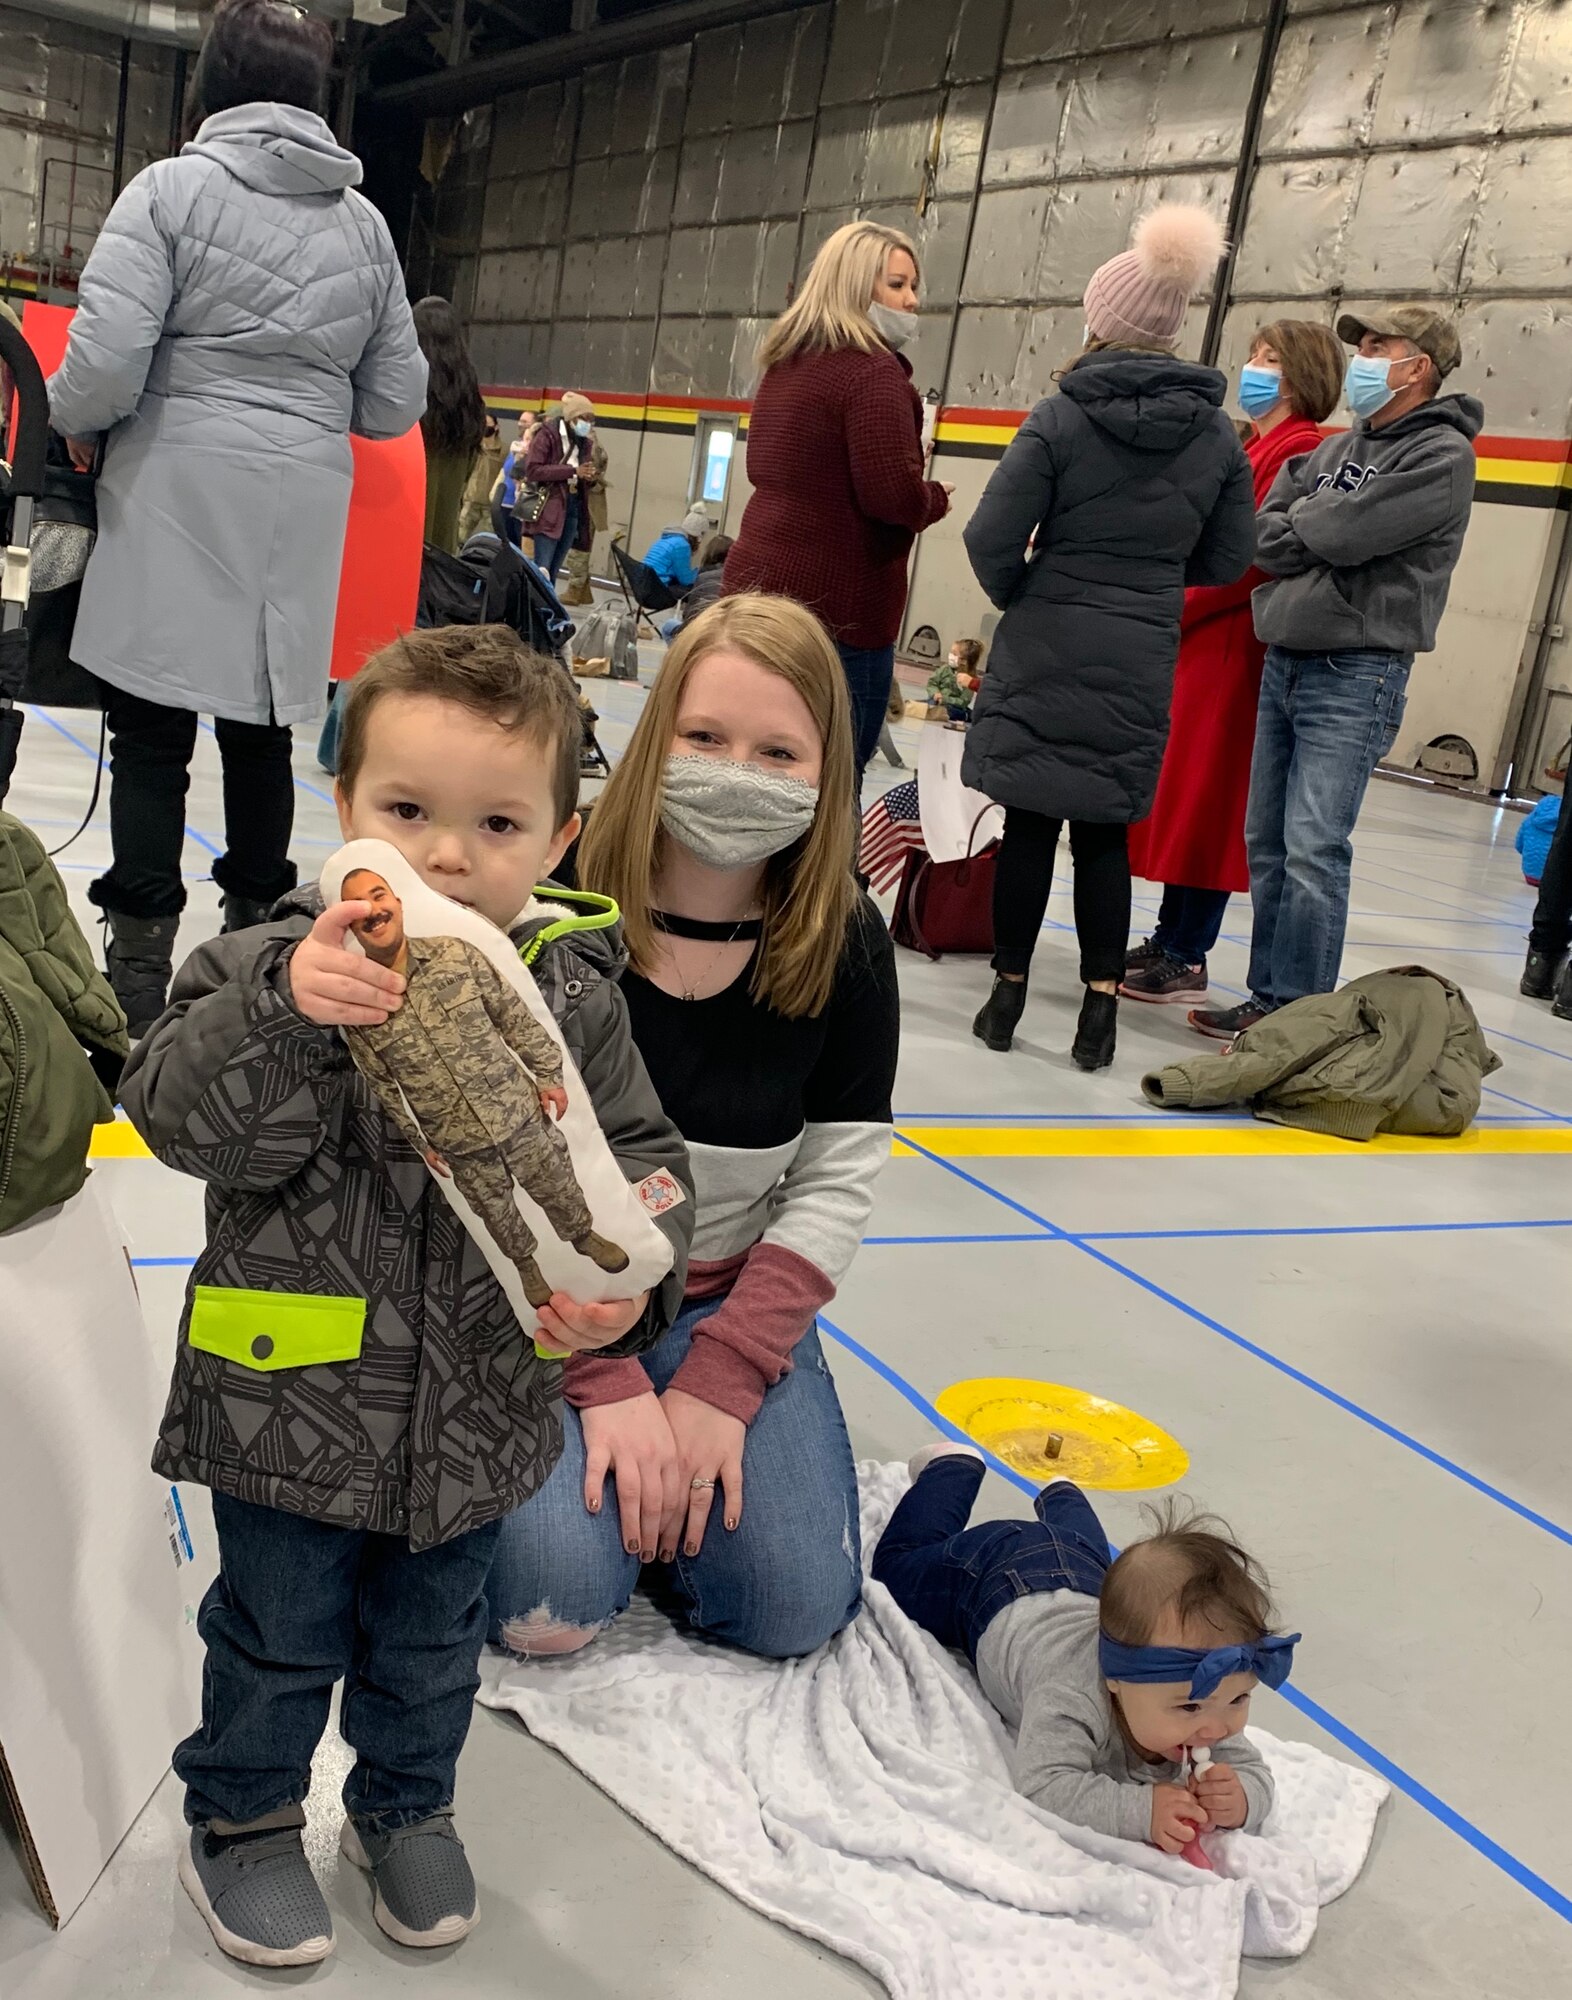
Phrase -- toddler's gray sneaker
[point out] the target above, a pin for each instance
(257, 1893)
(424, 1889)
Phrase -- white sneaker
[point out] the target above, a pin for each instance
(919, 1461)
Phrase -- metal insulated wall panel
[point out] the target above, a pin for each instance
(59, 90)
(1410, 148)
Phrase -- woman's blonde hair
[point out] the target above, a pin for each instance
(808, 891)
(831, 310)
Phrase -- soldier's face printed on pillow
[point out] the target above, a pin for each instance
(467, 803)
(381, 932)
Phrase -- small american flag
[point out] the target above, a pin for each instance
(891, 829)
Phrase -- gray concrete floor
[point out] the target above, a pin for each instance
(1374, 1386)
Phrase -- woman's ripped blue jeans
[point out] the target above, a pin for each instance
(787, 1579)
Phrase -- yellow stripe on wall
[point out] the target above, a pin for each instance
(1523, 472)
(1194, 1141)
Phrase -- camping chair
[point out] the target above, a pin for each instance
(642, 590)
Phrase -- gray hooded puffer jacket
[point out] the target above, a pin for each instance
(392, 1387)
(1135, 485)
(242, 311)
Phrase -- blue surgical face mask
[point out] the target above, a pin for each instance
(581, 428)
(1366, 387)
(1259, 389)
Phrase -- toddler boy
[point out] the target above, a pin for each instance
(350, 1380)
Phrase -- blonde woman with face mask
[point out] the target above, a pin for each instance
(761, 989)
(835, 459)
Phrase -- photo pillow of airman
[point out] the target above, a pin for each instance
(473, 1070)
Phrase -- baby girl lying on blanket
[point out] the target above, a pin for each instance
(1115, 1674)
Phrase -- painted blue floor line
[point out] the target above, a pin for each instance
(1202, 1235)
(1394, 1773)
(1286, 1368)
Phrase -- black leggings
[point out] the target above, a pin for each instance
(1025, 876)
(150, 749)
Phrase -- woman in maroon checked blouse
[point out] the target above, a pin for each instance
(835, 459)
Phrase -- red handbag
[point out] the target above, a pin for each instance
(947, 906)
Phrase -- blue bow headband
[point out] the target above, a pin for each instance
(1268, 1659)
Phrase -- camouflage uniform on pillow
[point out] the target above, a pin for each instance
(459, 1069)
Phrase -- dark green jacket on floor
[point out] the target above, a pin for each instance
(1394, 1051)
(55, 1005)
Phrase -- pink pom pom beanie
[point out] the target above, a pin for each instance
(1142, 294)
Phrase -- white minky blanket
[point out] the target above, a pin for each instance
(862, 1796)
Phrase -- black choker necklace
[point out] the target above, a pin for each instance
(747, 930)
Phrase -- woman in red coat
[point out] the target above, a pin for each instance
(835, 459)
(1193, 840)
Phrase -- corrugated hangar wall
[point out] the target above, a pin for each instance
(59, 100)
(631, 230)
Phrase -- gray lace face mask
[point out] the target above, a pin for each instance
(731, 815)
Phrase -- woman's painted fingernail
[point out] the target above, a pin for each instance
(692, 1549)
(593, 1506)
(633, 1548)
(731, 1526)
(670, 1555)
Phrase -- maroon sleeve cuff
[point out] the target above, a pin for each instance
(743, 1348)
(588, 1379)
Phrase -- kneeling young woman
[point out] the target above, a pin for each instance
(763, 999)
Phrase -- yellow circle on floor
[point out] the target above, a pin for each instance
(1099, 1444)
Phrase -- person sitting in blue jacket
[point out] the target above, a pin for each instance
(671, 553)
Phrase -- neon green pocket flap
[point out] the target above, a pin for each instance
(266, 1330)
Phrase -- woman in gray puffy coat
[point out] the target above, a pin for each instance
(241, 313)
(1116, 494)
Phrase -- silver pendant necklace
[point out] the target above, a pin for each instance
(692, 929)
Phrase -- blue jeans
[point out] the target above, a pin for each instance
(869, 671)
(1325, 722)
(1189, 922)
(786, 1580)
(550, 549)
(298, 1605)
(954, 1581)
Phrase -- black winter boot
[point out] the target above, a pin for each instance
(1563, 1002)
(241, 912)
(1001, 1011)
(1541, 970)
(1095, 1032)
(138, 955)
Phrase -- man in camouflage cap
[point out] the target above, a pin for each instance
(1358, 540)
(474, 1082)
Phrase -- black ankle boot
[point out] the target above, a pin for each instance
(138, 954)
(1001, 1011)
(1540, 973)
(1095, 1032)
(241, 912)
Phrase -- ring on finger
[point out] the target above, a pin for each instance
(701, 1485)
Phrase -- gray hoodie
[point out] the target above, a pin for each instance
(1362, 534)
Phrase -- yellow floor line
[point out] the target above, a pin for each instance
(118, 1141)
(121, 1141)
(1186, 1141)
